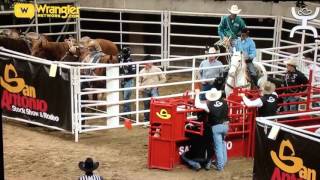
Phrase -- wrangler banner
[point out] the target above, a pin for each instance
(29, 93)
(289, 157)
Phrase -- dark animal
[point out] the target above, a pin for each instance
(19, 45)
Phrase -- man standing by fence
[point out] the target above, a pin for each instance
(125, 57)
(150, 80)
(212, 73)
(293, 77)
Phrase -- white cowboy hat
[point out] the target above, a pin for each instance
(213, 94)
(268, 88)
(234, 9)
(292, 62)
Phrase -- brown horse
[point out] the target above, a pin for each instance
(87, 46)
(50, 50)
(34, 37)
(91, 52)
(10, 33)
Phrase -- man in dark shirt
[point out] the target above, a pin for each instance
(267, 104)
(125, 57)
(201, 147)
(217, 109)
(293, 77)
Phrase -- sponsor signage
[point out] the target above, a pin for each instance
(29, 93)
(289, 157)
(27, 10)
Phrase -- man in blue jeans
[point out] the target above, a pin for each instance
(201, 147)
(148, 79)
(125, 57)
(217, 109)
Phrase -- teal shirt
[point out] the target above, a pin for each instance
(230, 28)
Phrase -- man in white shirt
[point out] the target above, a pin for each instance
(146, 80)
(267, 104)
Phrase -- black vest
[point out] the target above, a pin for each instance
(295, 78)
(270, 105)
(218, 112)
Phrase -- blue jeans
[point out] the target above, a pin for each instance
(190, 162)
(219, 133)
(251, 69)
(150, 92)
(205, 87)
(127, 94)
(293, 107)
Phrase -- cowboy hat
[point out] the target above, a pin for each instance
(88, 165)
(213, 94)
(292, 62)
(163, 114)
(268, 88)
(234, 9)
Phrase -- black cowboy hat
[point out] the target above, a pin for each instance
(88, 165)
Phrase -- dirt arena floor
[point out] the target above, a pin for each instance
(37, 153)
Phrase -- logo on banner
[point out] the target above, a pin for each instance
(304, 14)
(22, 98)
(163, 114)
(288, 165)
(27, 10)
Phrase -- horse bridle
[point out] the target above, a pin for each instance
(70, 44)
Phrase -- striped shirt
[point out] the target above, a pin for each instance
(91, 177)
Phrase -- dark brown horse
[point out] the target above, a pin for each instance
(11, 39)
(19, 45)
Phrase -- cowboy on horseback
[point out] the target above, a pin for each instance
(230, 27)
(248, 47)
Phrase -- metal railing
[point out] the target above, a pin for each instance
(178, 25)
(122, 23)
